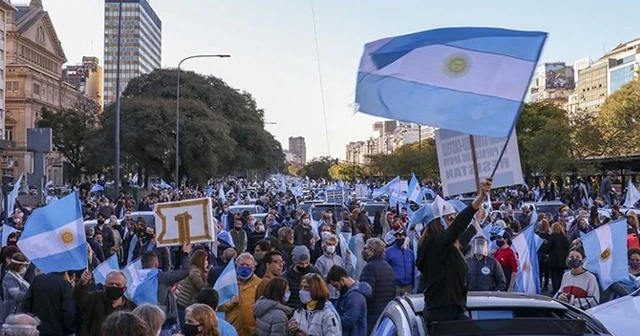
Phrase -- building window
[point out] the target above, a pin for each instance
(36, 89)
(8, 133)
(16, 86)
(40, 37)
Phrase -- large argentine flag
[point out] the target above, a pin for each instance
(100, 273)
(606, 250)
(415, 192)
(131, 271)
(53, 238)
(471, 80)
(227, 284)
(526, 245)
(386, 189)
(13, 196)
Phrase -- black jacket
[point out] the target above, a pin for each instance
(96, 308)
(50, 299)
(294, 277)
(558, 249)
(380, 276)
(443, 266)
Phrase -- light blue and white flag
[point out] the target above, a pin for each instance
(227, 284)
(396, 197)
(131, 271)
(344, 245)
(226, 237)
(470, 80)
(633, 195)
(6, 231)
(144, 288)
(526, 245)
(415, 192)
(100, 273)
(13, 196)
(606, 250)
(221, 194)
(209, 191)
(164, 185)
(54, 239)
(386, 189)
(96, 188)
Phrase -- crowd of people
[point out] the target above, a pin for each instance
(298, 276)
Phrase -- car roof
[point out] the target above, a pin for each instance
(488, 300)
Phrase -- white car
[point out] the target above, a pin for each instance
(621, 315)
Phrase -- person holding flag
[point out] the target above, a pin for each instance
(442, 264)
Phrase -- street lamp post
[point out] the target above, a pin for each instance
(177, 176)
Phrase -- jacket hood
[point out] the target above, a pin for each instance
(263, 306)
(361, 287)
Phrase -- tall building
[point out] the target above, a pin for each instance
(140, 47)
(33, 81)
(5, 9)
(298, 147)
(87, 78)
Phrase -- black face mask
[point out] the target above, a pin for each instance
(113, 293)
(303, 270)
(100, 221)
(191, 329)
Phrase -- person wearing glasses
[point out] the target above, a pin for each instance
(441, 262)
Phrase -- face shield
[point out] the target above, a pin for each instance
(480, 247)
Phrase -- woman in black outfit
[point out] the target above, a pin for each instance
(441, 262)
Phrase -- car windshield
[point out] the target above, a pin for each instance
(149, 220)
(549, 208)
(373, 208)
(234, 210)
(317, 211)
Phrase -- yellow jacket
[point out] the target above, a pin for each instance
(241, 315)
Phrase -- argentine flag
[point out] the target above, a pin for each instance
(6, 231)
(386, 189)
(606, 250)
(100, 273)
(131, 271)
(96, 188)
(633, 196)
(415, 192)
(13, 196)
(144, 288)
(54, 239)
(397, 196)
(526, 245)
(470, 80)
(227, 284)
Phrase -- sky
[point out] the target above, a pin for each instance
(273, 46)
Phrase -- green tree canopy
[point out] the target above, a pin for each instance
(346, 171)
(75, 134)
(619, 121)
(318, 168)
(221, 129)
(408, 159)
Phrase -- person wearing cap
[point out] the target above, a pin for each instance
(440, 261)
(301, 259)
(485, 273)
(507, 259)
(401, 261)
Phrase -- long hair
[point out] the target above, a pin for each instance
(205, 316)
(433, 228)
(197, 259)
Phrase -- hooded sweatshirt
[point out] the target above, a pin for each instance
(352, 308)
(271, 317)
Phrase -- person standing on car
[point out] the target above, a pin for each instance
(442, 264)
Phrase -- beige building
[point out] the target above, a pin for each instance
(87, 78)
(33, 81)
(5, 9)
(298, 148)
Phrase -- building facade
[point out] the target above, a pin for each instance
(34, 60)
(87, 78)
(140, 43)
(6, 11)
(298, 148)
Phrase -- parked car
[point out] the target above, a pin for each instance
(491, 313)
(620, 315)
(372, 208)
(252, 208)
(317, 210)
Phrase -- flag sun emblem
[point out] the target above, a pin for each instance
(457, 65)
(606, 254)
(67, 237)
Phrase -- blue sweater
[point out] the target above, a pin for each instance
(352, 308)
(403, 264)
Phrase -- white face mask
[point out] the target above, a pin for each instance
(306, 221)
(305, 296)
(325, 234)
(330, 249)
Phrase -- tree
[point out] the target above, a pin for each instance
(221, 129)
(345, 171)
(619, 120)
(544, 139)
(586, 136)
(318, 168)
(74, 133)
(408, 159)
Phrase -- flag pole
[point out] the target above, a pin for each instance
(474, 159)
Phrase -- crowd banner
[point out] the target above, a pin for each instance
(334, 196)
(184, 222)
(456, 161)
